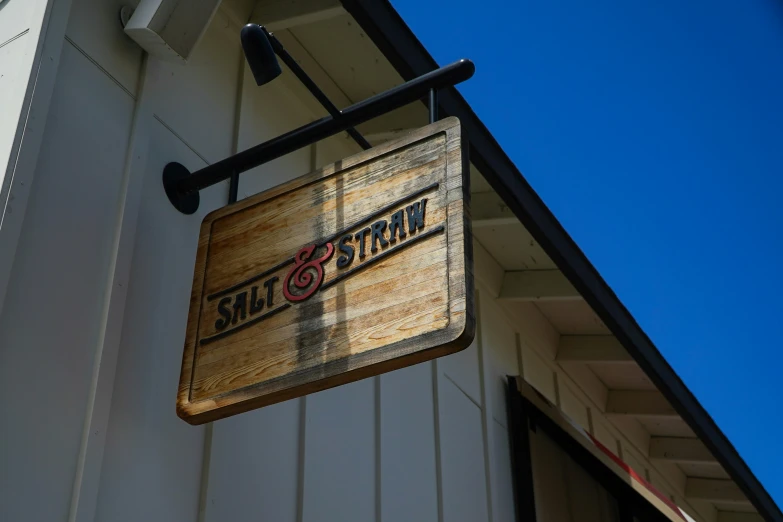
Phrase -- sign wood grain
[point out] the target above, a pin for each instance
(359, 268)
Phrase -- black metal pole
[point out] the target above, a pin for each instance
(311, 86)
(233, 187)
(394, 98)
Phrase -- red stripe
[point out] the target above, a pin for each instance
(636, 476)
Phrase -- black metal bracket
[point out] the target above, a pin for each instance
(311, 86)
(182, 187)
(174, 173)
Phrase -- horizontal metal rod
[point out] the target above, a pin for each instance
(311, 86)
(433, 105)
(382, 103)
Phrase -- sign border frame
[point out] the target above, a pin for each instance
(456, 336)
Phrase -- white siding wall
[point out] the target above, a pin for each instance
(584, 403)
(91, 335)
(16, 20)
(96, 316)
(22, 53)
(49, 326)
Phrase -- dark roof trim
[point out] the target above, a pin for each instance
(401, 47)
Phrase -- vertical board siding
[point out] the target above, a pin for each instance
(16, 35)
(573, 407)
(48, 331)
(94, 27)
(408, 474)
(197, 101)
(364, 451)
(334, 149)
(635, 460)
(583, 403)
(604, 435)
(462, 456)
(255, 461)
(150, 454)
(538, 332)
(462, 369)
(267, 112)
(256, 458)
(501, 359)
(502, 485)
(30, 47)
(538, 373)
(634, 433)
(253, 473)
(13, 81)
(17, 16)
(340, 454)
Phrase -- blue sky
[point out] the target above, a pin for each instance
(654, 132)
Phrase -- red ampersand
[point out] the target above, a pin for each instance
(302, 278)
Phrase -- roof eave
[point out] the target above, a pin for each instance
(405, 52)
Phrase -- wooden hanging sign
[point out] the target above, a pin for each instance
(357, 269)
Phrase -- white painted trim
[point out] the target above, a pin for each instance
(676, 449)
(486, 415)
(639, 404)
(496, 222)
(486, 270)
(281, 15)
(715, 490)
(88, 472)
(206, 460)
(538, 285)
(45, 43)
(316, 71)
(209, 429)
(166, 28)
(488, 206)
(595, 405)
(436, 430)
(592, 349)
(308, 18)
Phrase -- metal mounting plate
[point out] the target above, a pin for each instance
(185, 203)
